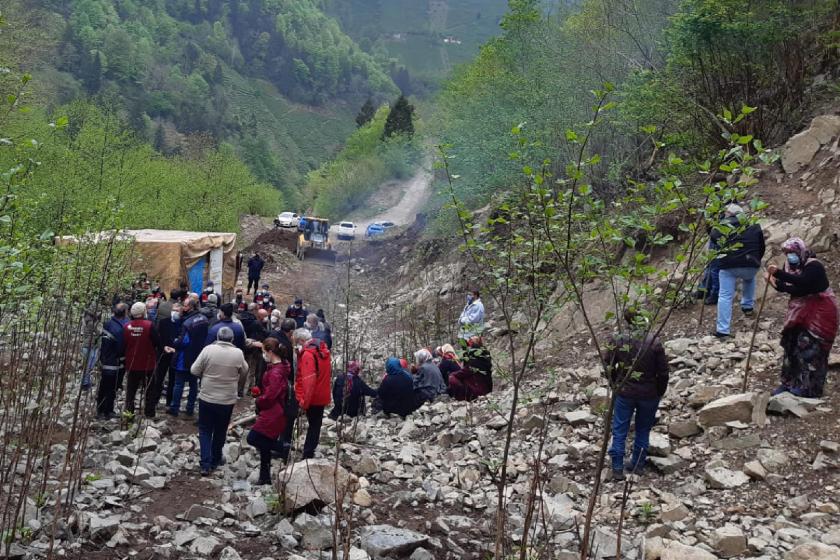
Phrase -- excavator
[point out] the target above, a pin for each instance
(314, 241)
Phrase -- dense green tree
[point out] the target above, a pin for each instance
(92, 72)
(400, 119)
(366, 113)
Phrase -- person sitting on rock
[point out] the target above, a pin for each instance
(449, 362)
(428, 382)
(637, 368)
(475, 378)
(349, 390)
(811, 321)
(396, 392)
(271, 404)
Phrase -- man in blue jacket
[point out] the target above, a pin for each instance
(186, 347)
(255, 266)
(111, 358)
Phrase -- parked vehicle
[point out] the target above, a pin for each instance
(346, 230)
(387, 225)
(287, 220)
(374, 230)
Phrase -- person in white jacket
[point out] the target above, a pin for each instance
(472, 317)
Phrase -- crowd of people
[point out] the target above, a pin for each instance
(158, 347)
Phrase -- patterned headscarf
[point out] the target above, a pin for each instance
(796, 245)
(353, 367)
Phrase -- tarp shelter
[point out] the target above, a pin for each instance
(168, 256)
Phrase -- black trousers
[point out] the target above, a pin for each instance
(285, 440)
(107, 392)
(213, 422)
(140, 381)
(265, 445)
(314, 416)
(161, 373)
(253, 281)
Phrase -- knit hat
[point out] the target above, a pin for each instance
(138, 310)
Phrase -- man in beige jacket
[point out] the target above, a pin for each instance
(219, 366)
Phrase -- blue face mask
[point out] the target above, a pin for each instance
(793, 259)
(469, 299)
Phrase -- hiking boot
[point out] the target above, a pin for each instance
(205, 471)
(720, 334)
(747, 311)
(617, 475)
(711, 300)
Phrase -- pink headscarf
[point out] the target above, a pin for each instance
(353, 367)
(797, 246)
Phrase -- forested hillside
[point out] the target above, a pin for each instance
(278, 80)
(678, 69)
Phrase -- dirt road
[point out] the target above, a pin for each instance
(415, 193)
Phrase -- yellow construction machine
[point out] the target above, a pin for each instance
(314, 241)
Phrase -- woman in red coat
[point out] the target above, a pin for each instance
(271, 404)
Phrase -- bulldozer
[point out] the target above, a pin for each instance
(314, 241)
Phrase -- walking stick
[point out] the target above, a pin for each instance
(752, 338)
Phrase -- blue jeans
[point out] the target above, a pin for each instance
(645, 410)
(182, 377)
(213, 420)
(728, 279)
(89, 357)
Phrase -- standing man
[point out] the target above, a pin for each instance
(312, 385)
(186, 347)
(472, 318)
(264, 299)
(168, 327)
(111, 356)
(225, 321)
(239, 303)
(297, 312)
(141, 345)
(741, 251)
(638, 371)
(220, 366)
(255, 266)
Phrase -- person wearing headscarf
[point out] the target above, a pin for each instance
(396, 392)
(741, 250)
(428, 382)
(475, 379)
(449, 362)
(272, 401)
(348, 391)
(810, 323)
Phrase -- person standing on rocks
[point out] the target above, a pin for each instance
(141, 346)
(811, 321)
(284, 338)
(428, 382)
(326, 327)
(271, 404)
(638, 372)
(396, 392)
(471, 321)
(255, 267)
(112, 359)
(186, 347)
(318, 330)
(220, 366)
(312, 385)
(349, 390)
(741, 251)
(167, 328)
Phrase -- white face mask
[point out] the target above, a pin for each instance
(267, 358)
(299, 348)
(176, 315)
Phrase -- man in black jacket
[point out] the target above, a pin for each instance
(255, 266)
(741, 250)
(112, 359)
(638, 373)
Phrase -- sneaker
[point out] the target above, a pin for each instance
(748, 312)
(720, 334)
(617, 475)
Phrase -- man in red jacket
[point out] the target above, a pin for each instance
(312, 385)
(141, 345)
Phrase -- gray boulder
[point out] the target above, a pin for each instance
(384, 540)
(314, 481)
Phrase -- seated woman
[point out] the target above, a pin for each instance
(449, 363)
(475, 378)
(348, 392)
(811, 321)
(396, 392)
(428, 382)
